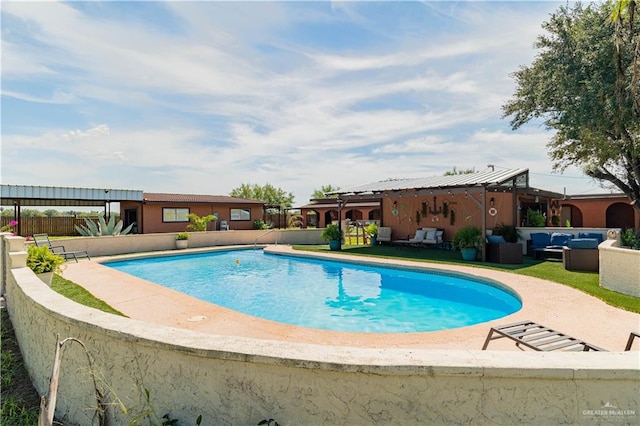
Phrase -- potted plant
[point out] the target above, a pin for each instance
(372, 231)
(44, 263)
(510, 233)
(333, 235)
(182, 240)
(468, 240)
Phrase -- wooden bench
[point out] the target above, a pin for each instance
(538, 337)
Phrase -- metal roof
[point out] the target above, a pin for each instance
(334, 205)
(160, 197)
(63, 196)
(484, 178)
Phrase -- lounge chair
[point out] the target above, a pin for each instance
(43, 240)
(384, 234)
(416, 240)
(433, 237)
(632, 336)
(538, 338)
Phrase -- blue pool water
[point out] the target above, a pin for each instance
(326, 294)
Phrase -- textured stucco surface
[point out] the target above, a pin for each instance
(619, 268)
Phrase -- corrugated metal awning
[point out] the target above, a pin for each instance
(24, 195)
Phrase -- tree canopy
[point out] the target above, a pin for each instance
(583, 84)
(267, 193)
(320, 193)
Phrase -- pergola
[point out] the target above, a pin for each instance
(24, 195)
(473, 185)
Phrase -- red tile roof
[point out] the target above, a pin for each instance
(159, 197)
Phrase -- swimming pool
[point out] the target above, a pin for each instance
(328, 295)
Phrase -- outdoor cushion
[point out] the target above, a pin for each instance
(583, 243)
(496, 239)
(420, 233)
(560, 239)
(431, 234)
(595, 235)
(540, 239)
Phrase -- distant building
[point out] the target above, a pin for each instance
(163, 212)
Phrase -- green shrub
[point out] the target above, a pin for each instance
(331, 233)
(259, 224)
(372, 229)
(510, 233)
(41, 260)
(468, 237)
(629, 238)
(198, 223)
(536, 219)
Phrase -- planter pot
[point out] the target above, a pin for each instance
(46, 277)
(468, 253)
(182, 244)
(334, 244)
(374, 240)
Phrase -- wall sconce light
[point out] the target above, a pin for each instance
(395, 204)
(492, 201)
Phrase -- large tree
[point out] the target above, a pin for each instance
(271, 195)
(583, 84)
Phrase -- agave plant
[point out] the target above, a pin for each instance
(100, 228)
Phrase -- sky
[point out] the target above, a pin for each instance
(200, 97)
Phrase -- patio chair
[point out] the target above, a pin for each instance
(416, 240)
(433, 237)
(538, 337)
(43, 240)
(384, 234)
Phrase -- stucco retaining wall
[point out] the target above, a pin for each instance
(619, 267)
(109, 245)
(238, 381)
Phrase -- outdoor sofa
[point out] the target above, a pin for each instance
(581, 254)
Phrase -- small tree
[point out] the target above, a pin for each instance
(324, 189)
(199, 223)
(268, 194)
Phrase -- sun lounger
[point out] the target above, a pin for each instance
(632, 336)
(43, 240)
(538, 337)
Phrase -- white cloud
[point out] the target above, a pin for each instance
(221, 93)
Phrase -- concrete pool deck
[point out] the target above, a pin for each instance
(554, 305)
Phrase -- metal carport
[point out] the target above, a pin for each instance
(24, 195)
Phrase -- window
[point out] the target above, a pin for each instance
(240, 214)
(175, 215)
